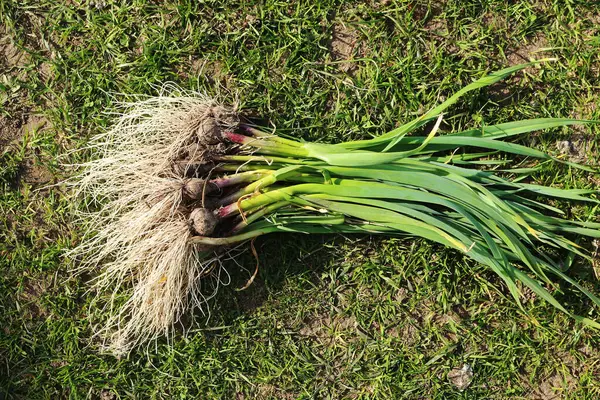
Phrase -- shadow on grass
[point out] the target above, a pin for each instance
(280, 258)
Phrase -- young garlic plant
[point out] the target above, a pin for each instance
(179, 179)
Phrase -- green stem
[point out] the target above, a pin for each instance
(225, 241)
(266, 160)
(258, 214)
(270, 136)
(271, 147)
(242, 177)
(312, 225)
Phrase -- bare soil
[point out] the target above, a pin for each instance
(344, 41)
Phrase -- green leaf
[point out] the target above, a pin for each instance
(391, 138)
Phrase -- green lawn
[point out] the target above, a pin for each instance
(352, 317)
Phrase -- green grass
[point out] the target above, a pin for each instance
(353, 317)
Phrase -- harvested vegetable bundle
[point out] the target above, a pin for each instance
(180, 180)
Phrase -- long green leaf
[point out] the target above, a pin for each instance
(391, 138)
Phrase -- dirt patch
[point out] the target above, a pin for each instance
(408, 333)
(378, 4)
(31, 297)
(580, 146)
(558, 383)
(554, 387)
(439, 31)
(495, 21)
(534, 48)
(213, 71)
(32, 172)
(58, 363)
(10, 131)
(35, 174)
(586, 349)
(268, 391)
(45, 71)
(10, 55)
(425, 10)
(437, 26)
(253, 296)
(13, 116)
(461, 377)
(401, 295)
(575, 149)
(586, 110)
(107, 395)
(328, 329)
(345, 40)
(431, 14)
(34, 123)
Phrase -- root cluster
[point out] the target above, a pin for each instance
(144, 197)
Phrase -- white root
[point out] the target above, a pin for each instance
(164, 272)
(135, 217)
(148, 137)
